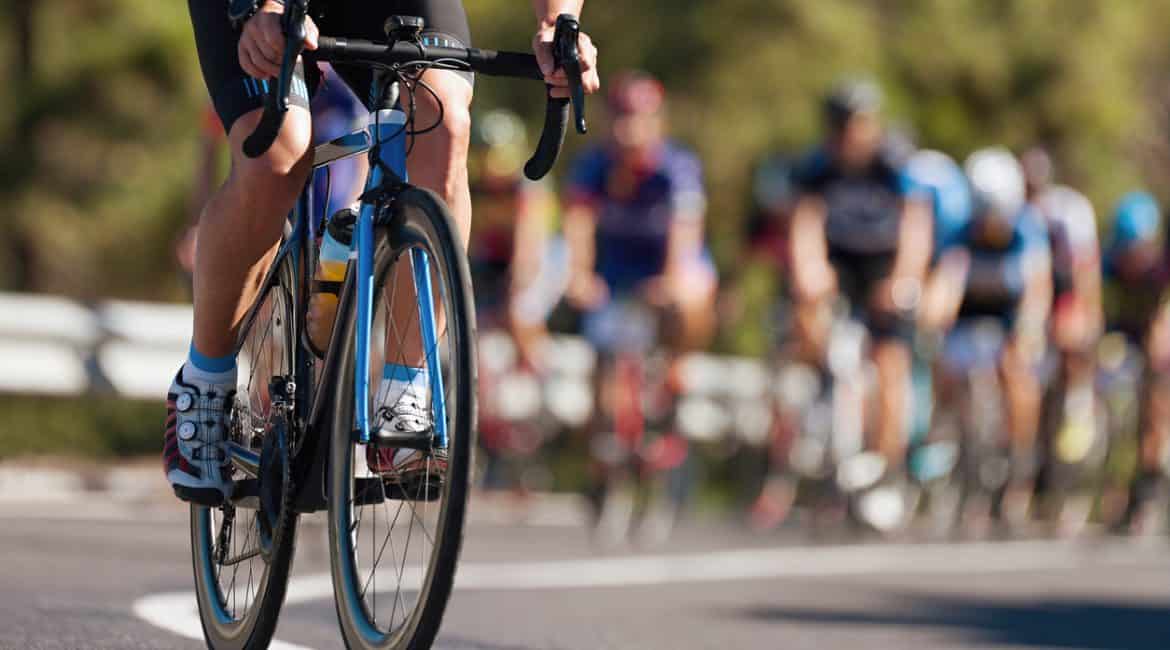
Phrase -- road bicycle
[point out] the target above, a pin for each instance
(643, 469)
(302, 426)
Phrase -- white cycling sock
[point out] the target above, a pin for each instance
(397, 380)
(203, 380)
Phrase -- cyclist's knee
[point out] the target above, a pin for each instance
(449, 111)
(282, 169)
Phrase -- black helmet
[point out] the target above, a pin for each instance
(850, 98)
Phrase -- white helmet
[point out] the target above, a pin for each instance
(997, 180)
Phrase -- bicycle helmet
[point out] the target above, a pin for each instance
(997, 181)
(1136, 220)
(849, 98)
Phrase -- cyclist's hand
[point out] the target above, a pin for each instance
(586, 291)
(556, 78)
(262, 41)
(659, 291)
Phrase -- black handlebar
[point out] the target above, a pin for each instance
(556, 115)
(488, 62)
(276, 102)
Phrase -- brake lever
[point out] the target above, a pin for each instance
(567, 56)
(293, 25)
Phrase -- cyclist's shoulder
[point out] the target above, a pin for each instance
(679, 162)
(812, 168)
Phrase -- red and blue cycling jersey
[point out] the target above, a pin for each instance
(635, 206)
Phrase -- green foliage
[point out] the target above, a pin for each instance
(89, 427)
(99, 139)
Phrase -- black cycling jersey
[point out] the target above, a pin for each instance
(234, 92)
(863, 208)
(862, 229)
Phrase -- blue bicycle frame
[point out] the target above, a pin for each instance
(387, 131)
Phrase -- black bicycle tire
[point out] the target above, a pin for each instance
(420, 215)
(257, 633)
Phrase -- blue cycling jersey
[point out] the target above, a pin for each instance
(1001, 263)
(949, 191)
(635, 208)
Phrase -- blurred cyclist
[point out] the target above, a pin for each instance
(1002, 255)
(952, 205)
(509, 238)
(1135, 296)
(860, 229)
(634, 221)
(769, 222)
(1076, 321)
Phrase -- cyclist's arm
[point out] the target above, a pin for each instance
(530, 234)
(915, 240)
(809, 251)
(942, 293)
(548, 10)
(684, 244)
(580, 229)
(1087, 275)
(1036, 303)
(688, 204)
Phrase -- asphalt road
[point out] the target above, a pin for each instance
(81, 575)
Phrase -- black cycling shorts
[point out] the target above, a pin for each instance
(858, 275)
(234, 93)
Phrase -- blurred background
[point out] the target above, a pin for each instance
(102, 137)
(106, 156)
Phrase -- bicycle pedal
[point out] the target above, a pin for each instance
(246, 494)
(368, 491)
(421, 441)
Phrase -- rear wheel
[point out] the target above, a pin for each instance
(242, 551)
(394, 547)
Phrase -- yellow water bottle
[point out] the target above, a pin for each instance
(331, 263)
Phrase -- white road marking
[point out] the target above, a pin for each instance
(177, 612)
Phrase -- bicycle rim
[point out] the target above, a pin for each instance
(394, 546)
(241, 556)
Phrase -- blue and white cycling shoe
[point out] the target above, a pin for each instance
(194, 452)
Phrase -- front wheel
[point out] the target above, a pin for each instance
(394, 545)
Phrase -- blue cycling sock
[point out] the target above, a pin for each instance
(408, 374)
(209, 370)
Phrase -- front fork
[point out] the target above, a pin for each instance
(388, 133)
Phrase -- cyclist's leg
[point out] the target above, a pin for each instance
(242, 221)
(238, 231)
(1022, 399)
(1154, 425)
(891, 335)
(438, 158)
(891, 356)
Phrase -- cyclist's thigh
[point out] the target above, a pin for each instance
(232, 91)
(445, 25)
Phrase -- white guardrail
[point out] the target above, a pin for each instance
(56, 346)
